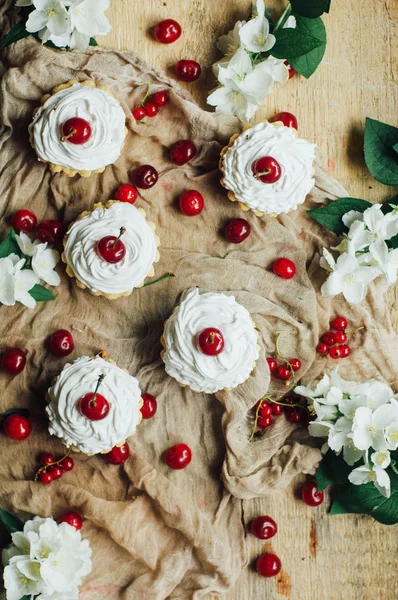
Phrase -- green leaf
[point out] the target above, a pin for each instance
(16, 411)
(330, 216)
(395, 147)
(93, 42)
(25, 598)
(9, 245)
(310, 8)
(18, 32)
(308, 63)
(380, 157)
(291, 43)
(41, 293)
(332, 469)
(323, 477)
(327, 9)
(10, 522)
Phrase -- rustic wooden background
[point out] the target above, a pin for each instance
(324, 558)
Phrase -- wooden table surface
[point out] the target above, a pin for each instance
(324, 557)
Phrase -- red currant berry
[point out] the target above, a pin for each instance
(268, 565)
(290, 400)
(76, 131)
(167, 31)
(191, 203)
(51, 231)
(295, 363)
(118, 454)
(149, 408)
(151, 109)
(111, 249)
(345, 351)
(178, 456)
(61, 343)
(292, 72)
(335, 352)
(277, 409)
(17, 427)
(339, 323)
(329, 338)
(211, 341)
(263, 527)
(46, 459)
(45, 477)
(126, 193)
(188, 70)
(310, 494)
(264, 422)
(294, 416)
(182, 152)
(145, 177)
(23, 220)
(94, 409)
(284, 267)
(67, 463)
(237, 231)
(322, 348)
(139, 113)
(160, 98)
(265, 410)
(266, 169)
(55, 471)
(340, 336)
(287, 119)
(73, 519)
(272, 364)
(283, 372)
(13, 361)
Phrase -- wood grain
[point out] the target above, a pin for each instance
(324, 558)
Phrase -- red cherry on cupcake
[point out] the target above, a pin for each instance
(284, 267)
(263, 527)
(287, 118)
(139, 113)
(182, 152)
(13, 361)
(266, 169)
(310, 494)
(17, 427)
(188, 70)
(149, 408)
(178, 456)
(93, 405)
(24, 220)
(211, 341)
(76, 131)
(126, 193)
(160, 98)
(145, 177)
(167, 31)
(291, 71)
(67, 463)
(51, 231)
(118, 454)
(73, 519)
(111, 248)
(237, 231)
(268, 565)
(191, 203)
(61, 342)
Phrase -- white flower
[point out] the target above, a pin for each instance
(51, 15)
(373, 227)
(17, 584)
(319, 428)
(392, 435)
(228, 44)
(378, 476)
(43, 263)
(7, 283)
(386, 259)
(368, 427)
(321, 389)
(24, 280)
(291, 23)
(25, 244)
(255, 35)
(352, 215)
(381, 460)
(87, 20)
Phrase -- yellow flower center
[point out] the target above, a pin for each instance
(394, 436)
(259, 40)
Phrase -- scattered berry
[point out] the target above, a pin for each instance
(45, 477)
(51, 231)
(182, 152)
(263, 527)
(211, 341)
(335, 352)
(292, 72)
(345, 351)
(67, 463)
(272, 364)
(73, 519)
(46, 459)
(139, 113)
(237, 231)
(268, 565)
(310, 494)
(191, 203)
(340, 336)
(76, 131)
(178, 456)
(126, 193)
(167, 31)
(266, 169)
(160, 98)
(264, 422)
(111, 248)
(284, 267)
(17, 427)
(322, 348)
(339, 323)
(295, 363)
(13, 361)
(328, 338)
(287, 119)
(145, 177)
(149, 408)
(151, 109)
(118, 454)
(283, 372)
(55, 471)
(24, 220)
(61, 342)
(188, 70)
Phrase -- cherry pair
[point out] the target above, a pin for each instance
(52, 469)
(167, 32)
(149, 107)
(264, 528)
(333, 342)
(51, 231)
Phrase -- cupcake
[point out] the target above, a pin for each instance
(210, 342)
(111, 249)
(93, 405)
(268, 169)
(78, 129)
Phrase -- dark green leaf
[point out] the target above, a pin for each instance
(395, 147)
(327, 9)
(332, 469)
(9, 245)
(10, 522)
(41, 293)
(380, 157)
(310, 8)
(337, 508)
(323, 477)
(16, 411)
(18, 32)
(25, 598)
(308, 63)
(93, 42)
(291, 43)
(330, 216)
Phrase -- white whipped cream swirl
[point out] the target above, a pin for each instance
(294, 155)
(79, 378)
(96, 273)
(99, 108)
(187, 364)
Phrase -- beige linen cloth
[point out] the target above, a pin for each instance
(158, 533)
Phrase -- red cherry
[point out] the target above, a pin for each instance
(46, 459)
(283, 372)
(73, 519)
(287, 119)
(94, 409)
(266, 169)
(335, 352)
(191, 203)
(284, 267)
(291, 71)
(340, 336)
(345, 351)
(310, 494)
(145, 177)
(45, 477)
(178, 456)
(272, 364)
(126, 193)
(268, 565)
(76, 131)
(67, 463)
(138, 113)
(151, 109)
(111, 249)
(295, 363)
(149, 408)
(237, 231)
(264, 422)
(322, 348)
(263, 527)
(161, 98)
(328, 338)
(61, 342)
(17, 427)
(211, 341)
(339, 323)
(51, 231)
(118, 454)
(23, 220)
(167, 31)
(55, 471)
(13, 361)
(277, 409)
(182, 152)
(188, 70)
(294, 416)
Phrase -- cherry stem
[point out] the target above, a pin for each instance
(212, 337)
(165, 276)
(121, 232)
(146, 94)
(258, 175)
(66, 137)
(100, 380)
(57, 463)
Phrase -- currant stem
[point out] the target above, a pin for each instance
(57, 463)
(146, 94)
(100, 380)
(255, 421)
(121, 232)
(66, 137)
(355, 330)
(278, 353)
